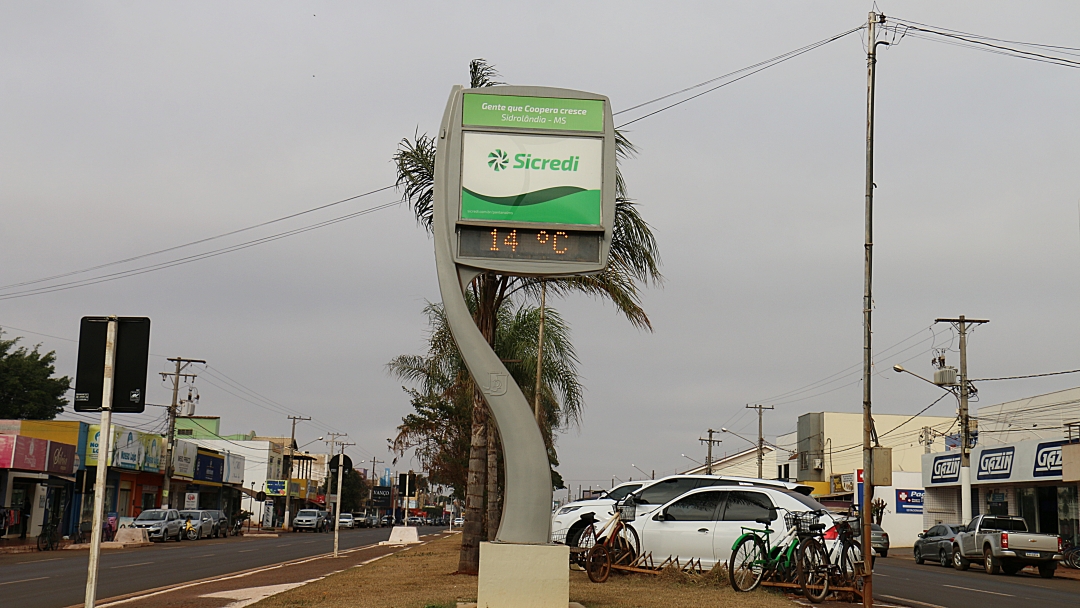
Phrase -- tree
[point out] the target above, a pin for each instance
(353, 491)
(28, 390)
(439, 427)
(634, 262)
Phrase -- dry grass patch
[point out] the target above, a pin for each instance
(423, 577)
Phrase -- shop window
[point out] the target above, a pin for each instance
(1029, 508)
(1068, 513)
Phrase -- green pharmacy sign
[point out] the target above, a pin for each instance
(531, 178)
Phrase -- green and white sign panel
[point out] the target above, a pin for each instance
(531, 178)
(521, 111)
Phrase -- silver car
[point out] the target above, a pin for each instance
(203, 522)
(160, 524)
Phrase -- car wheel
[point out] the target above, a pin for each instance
(990, 564)
(959, 561)
(883, 552)
(943, 559)
(918, 556)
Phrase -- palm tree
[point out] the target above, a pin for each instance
(634, 262)
(439, 427)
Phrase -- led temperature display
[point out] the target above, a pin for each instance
(528, 244)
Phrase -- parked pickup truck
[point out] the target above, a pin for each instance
(1003, 543)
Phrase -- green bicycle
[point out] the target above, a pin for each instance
(753, 556)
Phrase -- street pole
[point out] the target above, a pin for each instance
(166, 484)
(337, 500)
(708, 453)
(760, 438)
(104, 448)
(962, 324)
(540, 354)
(868, 302)
(288, 476)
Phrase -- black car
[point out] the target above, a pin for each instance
(221, 523)
(935, 545)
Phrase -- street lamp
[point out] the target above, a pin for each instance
(724, 430)
(653, 476)
(690, 459)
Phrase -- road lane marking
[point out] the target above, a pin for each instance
(979, 590)
(25, 580)
(207, 555)
(245, 551)
(904, 599)
(38, 561)
(130, 565)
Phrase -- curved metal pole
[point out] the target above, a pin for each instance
(526, 516)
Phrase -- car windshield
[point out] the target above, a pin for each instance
(308, 513)
(191, 514)
(346, 516)
(152, 515)
(621, 492)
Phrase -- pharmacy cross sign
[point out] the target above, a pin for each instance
(525, 186)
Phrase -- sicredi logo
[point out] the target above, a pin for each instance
(946, 469)
(498, 161)
(1047, 460)
(996, 463)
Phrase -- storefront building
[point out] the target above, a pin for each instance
(134, 477)
(38, 461)
(1023, 478)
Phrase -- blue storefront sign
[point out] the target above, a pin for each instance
(1048, 460)
(909, 501)
(946, 469)
(996, 463)
(209, 467)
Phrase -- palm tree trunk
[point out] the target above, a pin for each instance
(494, 502)
(473, 531)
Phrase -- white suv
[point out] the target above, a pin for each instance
(569, 522)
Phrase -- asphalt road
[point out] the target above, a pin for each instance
(931, 585)
(56, 579)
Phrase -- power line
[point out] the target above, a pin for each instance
(196, 242)
(764, 65)
(1070, 371)
(192, 258)
(904, 28)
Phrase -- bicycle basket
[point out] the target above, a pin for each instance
(801, 521)
(628, 512)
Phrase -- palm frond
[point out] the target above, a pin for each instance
(482, 74)
(414, 162)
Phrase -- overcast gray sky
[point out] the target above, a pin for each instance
(128, 127)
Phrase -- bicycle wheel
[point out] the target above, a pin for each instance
(43, 541)
(586, 540)
(851, 564)
(1072, 558)
(598, 564)
(813, 568)
(746, 566)
(625, 545)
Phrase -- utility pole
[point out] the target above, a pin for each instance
(708, 454)
(961, 324)
(170, 440)
(288, 475)
(375, 476)
(540, 354)
(760, 437)
(868, 300)
(926, 438)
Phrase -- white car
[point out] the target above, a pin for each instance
(345, 520)
(705, 523)
(567, 525)
(567, 522)
(459, 521)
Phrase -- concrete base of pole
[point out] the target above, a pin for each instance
(523, 576)
(402, 535)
